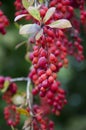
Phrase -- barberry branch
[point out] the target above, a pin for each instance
(29, 96)
(29, 99)
(28, 93)
(35, 3)
(47, 2)
(19, 79)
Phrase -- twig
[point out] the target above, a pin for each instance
(19, 79)
(35, 3)
(28, 93)
(28, 99)
(12, 128)
(29, 96)
(47, 2)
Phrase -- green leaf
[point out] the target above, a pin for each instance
(29, 29)
(39, 34)
(19, 17)
(27, 3)
(34, 12)
(61, 24)
(41, 1)
(6, 85)
(49, 14)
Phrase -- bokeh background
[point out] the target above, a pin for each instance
(13, 63)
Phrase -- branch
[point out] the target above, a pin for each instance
(47, 2)
(19, 79)
(29, 96)
(28, 93)
(29, 99)
(35, 3)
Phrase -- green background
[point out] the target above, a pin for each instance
(13, 63)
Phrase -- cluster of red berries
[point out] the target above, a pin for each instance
(41, 121)
(49, 55)
(20, 9)
(3, 22)
(12, 87)
(11, 115)
(81, 5)
(83, 17)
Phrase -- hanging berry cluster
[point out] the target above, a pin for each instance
(3, 22)
(9, 89)
(54, 35)
(52, 47)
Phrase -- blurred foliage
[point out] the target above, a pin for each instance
(13, 63)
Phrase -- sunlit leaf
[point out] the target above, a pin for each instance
(39, 34)
(49, 13)
(18, 99)
(19, 17)
(22, 111)
(34, 12)
(29, 29)
(27, 3)
(61, 24)
(41, 1)
(6, 85)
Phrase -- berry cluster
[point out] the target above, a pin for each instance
(3, 22)
(49, 55)
(41, 121)
(11, 115)
(20, 9)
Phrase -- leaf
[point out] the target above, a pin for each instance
(49, 14)
(19, 17)
(41, 1)
(61, 24)
(34, 12)
(20, 44)
(18, 99)
(29, 29)
(22, 111)
(6, 85)
(27, 124)
(39, 34)
(27, 3)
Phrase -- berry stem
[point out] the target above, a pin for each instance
(12, 127)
